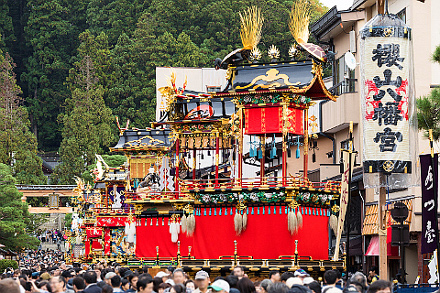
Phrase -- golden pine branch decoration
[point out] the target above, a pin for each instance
(299, 20)
(251, 25)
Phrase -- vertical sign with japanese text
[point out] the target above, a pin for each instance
(386, 97)
(429, 193)
(345, 193)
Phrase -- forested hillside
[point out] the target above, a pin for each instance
(79, 63)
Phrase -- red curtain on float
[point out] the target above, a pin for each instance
(266, 235)
(261, 120)
(155, 232)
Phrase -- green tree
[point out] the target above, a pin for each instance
(15, 220)
(86, 125)
(51, 36)
(6, 27)
(114, 17)
(18, 145)
(428, 107)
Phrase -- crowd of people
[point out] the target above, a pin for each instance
(50, 236)
(46, 272)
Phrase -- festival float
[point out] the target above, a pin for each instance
(184, 199)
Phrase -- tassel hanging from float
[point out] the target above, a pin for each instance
(299, 218)
(190, 225)
(245, 219)
(252, 151)
(174, 231)
(292, 223)
(260, 152)
(298, 152)
(273, 151)
(183, 223)
(238, 223)
(333, 221)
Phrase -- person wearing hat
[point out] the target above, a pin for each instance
(301, 274)
(162, 275)
(220, 286)
(108, 277)
(202, 281)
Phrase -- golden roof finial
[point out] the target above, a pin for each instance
(299, 20)
(251, 25)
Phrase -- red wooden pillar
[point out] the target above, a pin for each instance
(194, 162)
(240, 148)
(306, 142)
(217, 154)
(284, 146)
(176, 182)
(263, 159)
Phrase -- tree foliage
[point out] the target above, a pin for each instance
(15, 220)
(126, 39)
(428, 107)
(18, 146)
(86, 124)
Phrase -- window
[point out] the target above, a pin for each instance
(402, 15)
(345, 144)
(345, 77)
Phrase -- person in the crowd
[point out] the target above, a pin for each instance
(300, 273)
(202, 282)
(330, 279)
(90, 279)
(265, 284)
(133, 279)
(285, 276)
(190, 285)
(162, 275)
(278, 288)
(350, 289)
(162, 287)
(179, 288)
(358, 279)
(239, 272)
(232, 281)
(179, 277)
(219, 286)
(9, 285)
(58, 284)
(257, 286)
(78, 284)
(380, 286)
(245, 285)
(274, 276)
(294, 281)
(106, 288)
(125, 285)
(108, 277)
(314, 286)
(144, 284)
(372, 275)
(116, 283)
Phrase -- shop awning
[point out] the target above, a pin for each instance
(373, 248)
(370, 220)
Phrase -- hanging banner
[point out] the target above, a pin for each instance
(387, 98)
(345, 193)
(429, 194)
(262, 120)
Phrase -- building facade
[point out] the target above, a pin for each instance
(339, 31)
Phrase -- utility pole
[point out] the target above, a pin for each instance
(382, 231)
